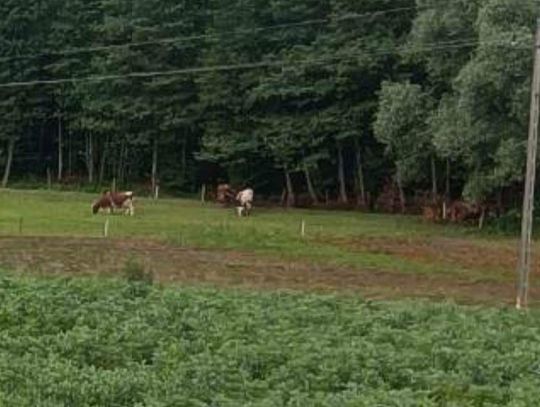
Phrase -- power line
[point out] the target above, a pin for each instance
(175, 40)
(244, 66)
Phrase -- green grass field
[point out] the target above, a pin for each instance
(100, 342)
(189, 223)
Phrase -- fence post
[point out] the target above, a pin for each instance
(106, 228)
(303, 228)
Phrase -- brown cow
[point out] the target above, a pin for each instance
(225, 194)
(110, 201)
(460, 211)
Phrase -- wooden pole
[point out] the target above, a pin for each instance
(106, 228)
(524, 265)
(303, 228)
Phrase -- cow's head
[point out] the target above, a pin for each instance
(95, 207)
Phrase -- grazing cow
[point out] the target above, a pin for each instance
(460, 211)
(245, 201)
(110, 201)
(225, 194)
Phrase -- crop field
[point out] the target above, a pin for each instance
(92, 341)
(378, 256)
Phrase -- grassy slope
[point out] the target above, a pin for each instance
(274, 232)
(81, 342)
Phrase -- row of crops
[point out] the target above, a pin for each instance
(89, 342)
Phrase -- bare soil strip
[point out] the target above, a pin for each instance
(172, 264)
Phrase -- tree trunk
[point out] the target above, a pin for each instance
(360, 175)
(60, 149)
(290, 191)
(499, 209)
(183, 167)
(49, 178)
(341, 175)
(9, 161)
(120, 169)
(154, 166)
(309, 183)
(283, 196)
(482, 218)
(125, 166)
(41, 152)
(447, 189)
(70, 154)
(90, 157)
(434, 191)
(104, 155)
(401, 192)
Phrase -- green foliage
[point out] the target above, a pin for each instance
(401, 127)
(135, 272)
(84, 342)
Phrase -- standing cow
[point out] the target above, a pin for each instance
(245, 201)
(110, 201)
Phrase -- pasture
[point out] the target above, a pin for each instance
(378, 256)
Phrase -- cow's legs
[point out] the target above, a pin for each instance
(247, 208)
(130, 209)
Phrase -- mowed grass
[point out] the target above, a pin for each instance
(274, 232)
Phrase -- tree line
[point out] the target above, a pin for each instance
(331, 99)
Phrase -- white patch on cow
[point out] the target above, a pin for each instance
(245, 196)
(239, 210)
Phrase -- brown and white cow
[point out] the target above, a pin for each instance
(110, 201)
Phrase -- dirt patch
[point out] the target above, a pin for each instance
(170, 264)
(460, 253)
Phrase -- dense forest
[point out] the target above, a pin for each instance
(318, 99)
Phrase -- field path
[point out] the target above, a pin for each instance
(173, 264)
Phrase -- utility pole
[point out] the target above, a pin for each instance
(528, 198)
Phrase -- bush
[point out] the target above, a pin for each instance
(139, 279)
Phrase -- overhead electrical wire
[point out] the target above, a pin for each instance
(456, 44)
(181, 39)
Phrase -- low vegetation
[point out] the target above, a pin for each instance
(90, 342)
